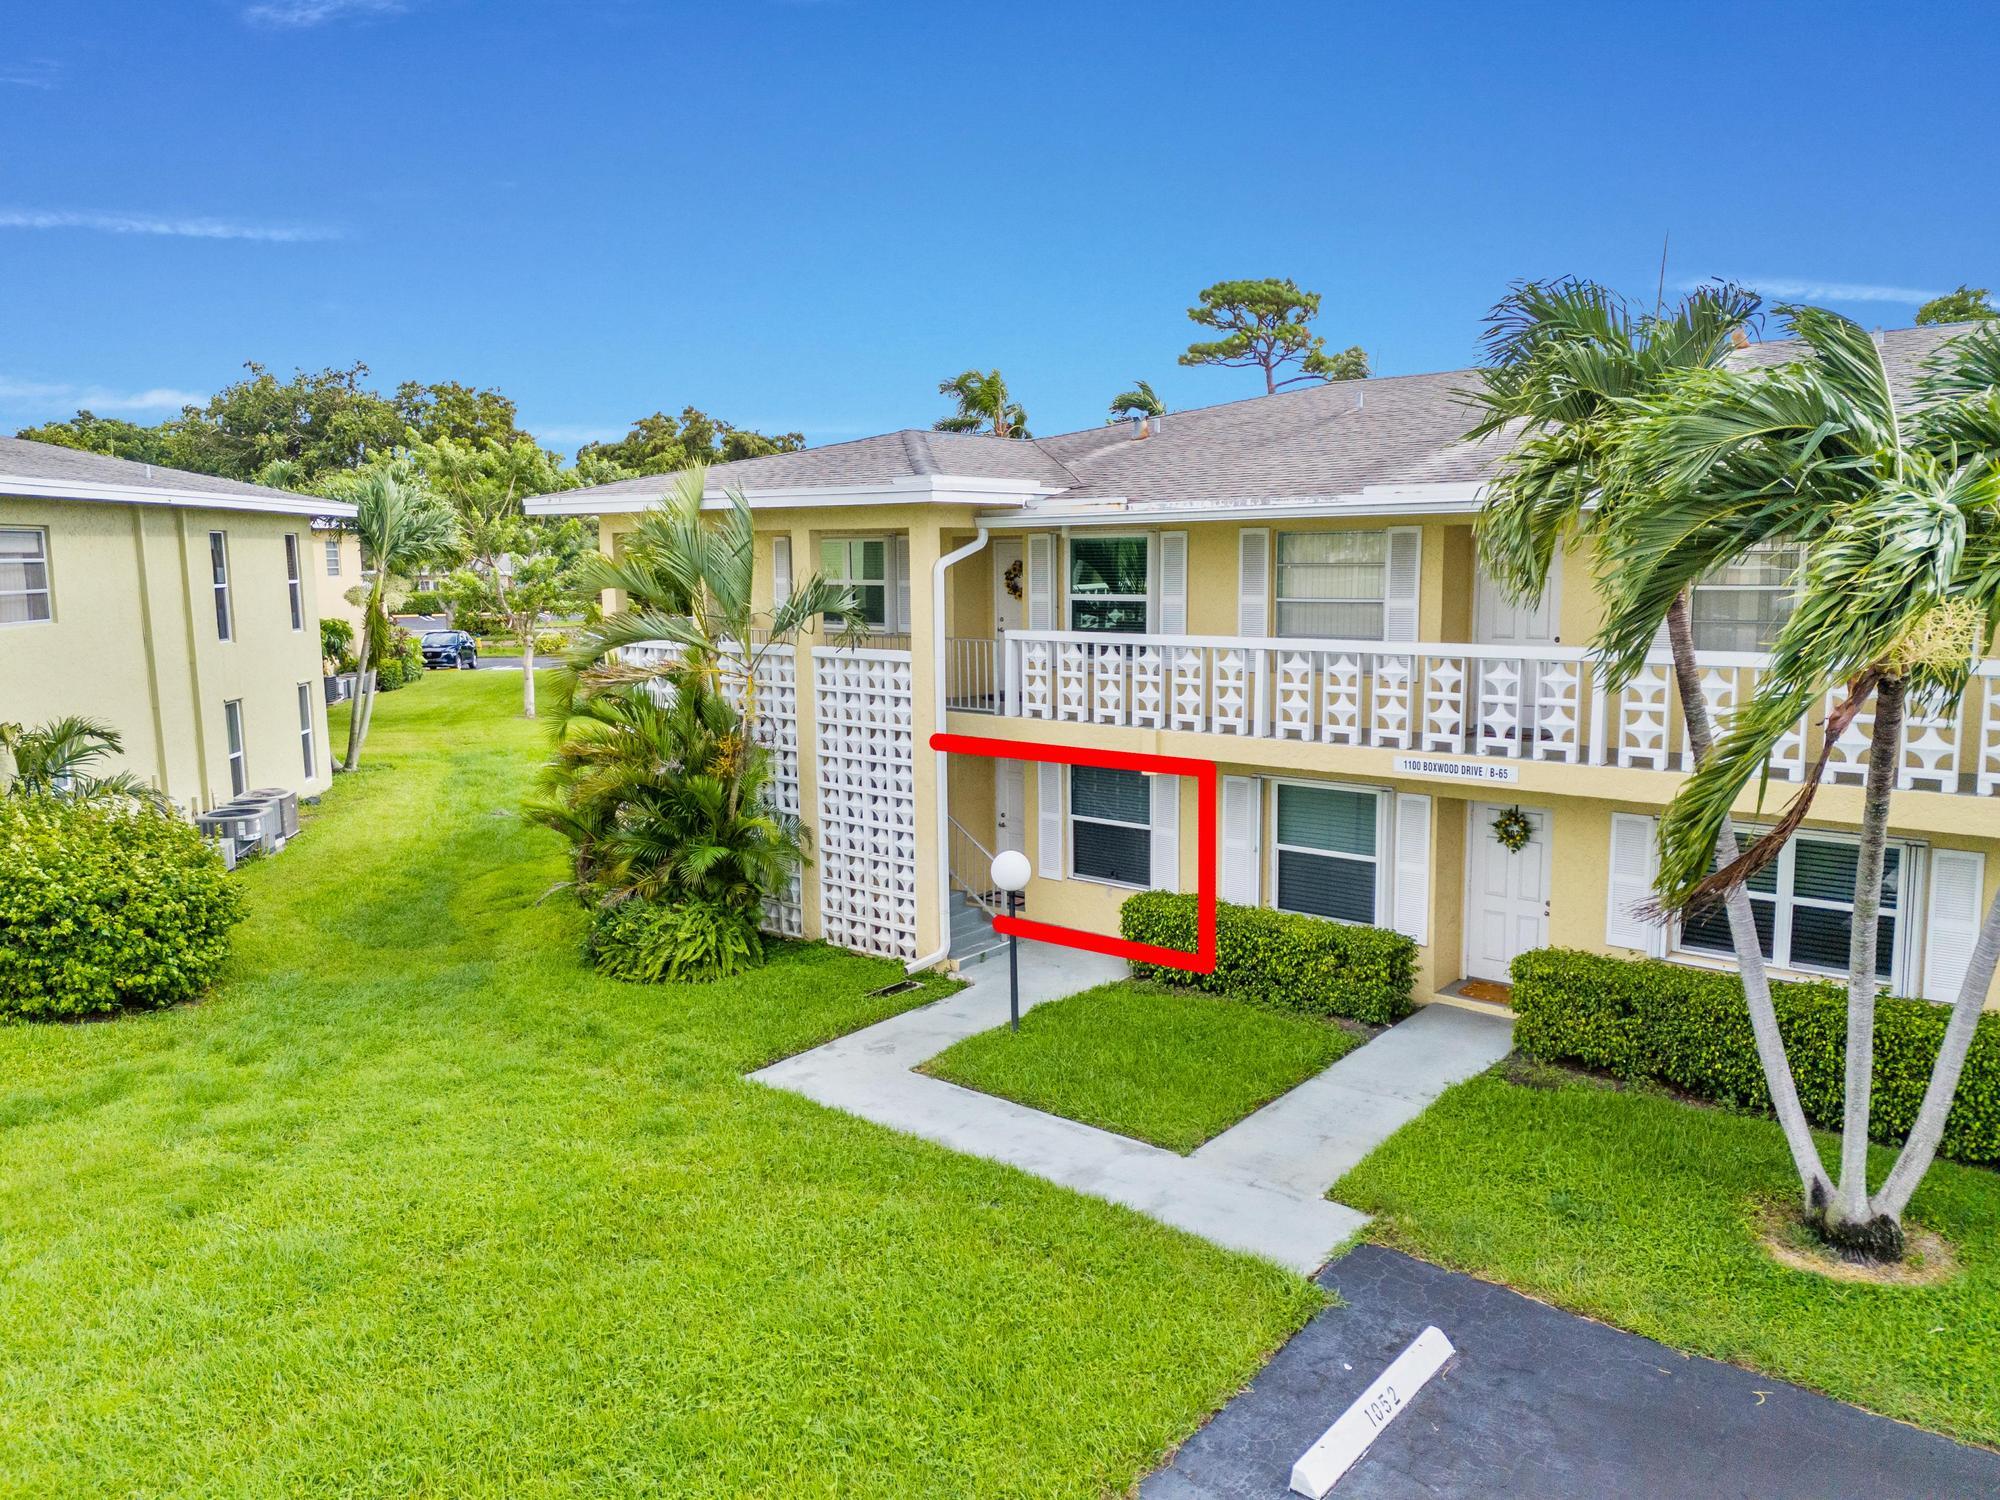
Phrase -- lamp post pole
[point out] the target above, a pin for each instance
(1014, 965)
(1010, 874)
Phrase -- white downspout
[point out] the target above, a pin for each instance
(942, 775)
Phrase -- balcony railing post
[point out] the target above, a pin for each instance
(1600, 709)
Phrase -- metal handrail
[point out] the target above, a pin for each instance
(967, 853)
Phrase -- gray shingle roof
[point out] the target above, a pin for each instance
(52, 463)
(1324, 440)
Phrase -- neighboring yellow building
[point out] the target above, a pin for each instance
(176, 607)
(333, 557)
(1287, 586)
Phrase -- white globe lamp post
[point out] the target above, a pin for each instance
(1010, 874)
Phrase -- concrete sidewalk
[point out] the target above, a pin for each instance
(1259, 1186)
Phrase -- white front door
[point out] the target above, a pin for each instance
(1010, 802)
(1507, 693)
(1499, 621)
(1506, 893)
(1010, 573)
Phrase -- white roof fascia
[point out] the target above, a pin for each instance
(127, 494)
(1375, 500)
(914, 489)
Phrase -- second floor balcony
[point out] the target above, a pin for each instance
(1544, 703)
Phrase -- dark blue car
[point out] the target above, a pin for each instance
(450, 648)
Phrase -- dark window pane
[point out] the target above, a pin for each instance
(1097, 792)
(1820, 938)
(1326, 818)
(1127, 618)
(1105, 851)
(1325, 887)
(1707, 931)
(1107, 565)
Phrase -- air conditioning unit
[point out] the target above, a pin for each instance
(287, 805)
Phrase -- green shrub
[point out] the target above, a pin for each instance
(401, 662)
(336, 644)
(1690, 1027)
(1297, 963)
(103, 907)
(672, 941)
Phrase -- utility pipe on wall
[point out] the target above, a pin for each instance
(942, 775)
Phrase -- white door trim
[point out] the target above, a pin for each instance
(1002, 604)
(1478, 821)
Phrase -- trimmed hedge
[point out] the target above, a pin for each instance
(104, 907)
(1296, 963)
(1690, 1027)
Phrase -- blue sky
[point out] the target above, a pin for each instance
(804, 215)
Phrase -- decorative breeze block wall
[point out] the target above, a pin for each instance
(867, 801)
(777, 730)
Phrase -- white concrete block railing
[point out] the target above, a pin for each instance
(1452, 698)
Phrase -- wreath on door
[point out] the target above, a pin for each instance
(1012, 578)
(1513, 830)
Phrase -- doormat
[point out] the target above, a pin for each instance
(1490, 990)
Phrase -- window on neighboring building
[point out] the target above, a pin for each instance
(861, 565)
(1327, 859)
(306, 727)
(218, 567)
(1803, 903)
(24, 576)
(1111, 825)
(1107, 584)
(294, 582)
(333, 557)
(1742, 605)
(239, 764)
(1332, 583)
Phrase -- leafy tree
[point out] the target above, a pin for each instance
(401, 525)
(325, 421)
(1139, 401)
(1969, 304)
(447, 409)
(55, 760)
(982, 402)
(1266, 324)
(1898, 512)
(112, 436)
(661, 444)
(543, 576)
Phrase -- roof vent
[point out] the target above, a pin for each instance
(1138, 424)
(1159, 422)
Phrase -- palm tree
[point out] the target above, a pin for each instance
(1139, 401)
(661, 799)
(401, 525)
(54, 760)
(982, 402)
(1565, 359)
(1899, 515)
(687, 578)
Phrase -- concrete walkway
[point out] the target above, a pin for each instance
(1259, 1186)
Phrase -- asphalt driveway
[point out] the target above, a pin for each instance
(1542, 1402)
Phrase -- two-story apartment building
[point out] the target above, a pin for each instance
(1287, 586)
(179, 608)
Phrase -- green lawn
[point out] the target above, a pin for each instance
(1636, 1209)
(1165, 1065)
(413, 1203)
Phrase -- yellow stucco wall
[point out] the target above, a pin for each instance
(332, 589)
(134, 643)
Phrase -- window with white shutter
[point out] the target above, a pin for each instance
(1041, 581)
(1951, 927)
(1173, 583)
(1412, 900)
(1049, 819)
(1253, 582)
(1242, 839)
(1166, 832)
(1401, 586)
(1630, 886)
(902, 550)
(781, 570)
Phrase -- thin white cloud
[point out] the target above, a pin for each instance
(1795, 288)
(303, 13)
(50, 395)
(179, 227)
(606, 432)
(30, 72)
